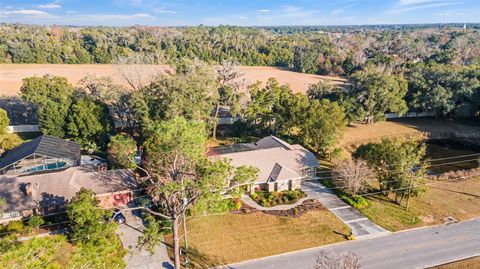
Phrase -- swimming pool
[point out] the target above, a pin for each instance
(49, 166)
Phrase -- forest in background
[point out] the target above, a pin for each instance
(335, 50)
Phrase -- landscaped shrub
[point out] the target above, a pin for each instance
(16, 226)
(355, 201)
(35, 221)
(269, 199)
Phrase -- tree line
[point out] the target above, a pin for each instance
(303, 49)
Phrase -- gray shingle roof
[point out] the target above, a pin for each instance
(43, 145)
(59, 187)
(276, 159)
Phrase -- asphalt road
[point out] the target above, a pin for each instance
(418, 248)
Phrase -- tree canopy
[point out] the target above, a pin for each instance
(4, 121)
(53, 97)
(180, 172)
(378, 93)
(400, 166)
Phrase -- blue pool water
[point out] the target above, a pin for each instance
(49, 166)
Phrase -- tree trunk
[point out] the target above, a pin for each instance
(217, 109)
(176, 243)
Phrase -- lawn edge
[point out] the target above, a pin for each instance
(228, 266)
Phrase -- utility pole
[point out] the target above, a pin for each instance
(409, 191)
(185, 203)
(185, 232)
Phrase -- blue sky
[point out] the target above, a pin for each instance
(238, 12)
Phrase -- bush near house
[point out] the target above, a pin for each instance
(355, 201)
(269, 199)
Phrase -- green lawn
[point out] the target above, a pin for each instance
(460, 200)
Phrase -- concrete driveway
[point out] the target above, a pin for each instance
(140, 258)
(361, 226)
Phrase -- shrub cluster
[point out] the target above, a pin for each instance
(355, 201)
(269, 199)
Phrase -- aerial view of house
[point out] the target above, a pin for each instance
(281, 166)
(41, 176)
(240, 134)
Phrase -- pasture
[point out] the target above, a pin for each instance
(11, 75)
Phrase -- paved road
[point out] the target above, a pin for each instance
(140, 259)
(361, 226)
(418, 248)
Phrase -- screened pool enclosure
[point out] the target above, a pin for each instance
(44, 153)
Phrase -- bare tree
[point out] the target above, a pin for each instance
(351, 175)
(228, 89)
(329, 260)
(140, 70)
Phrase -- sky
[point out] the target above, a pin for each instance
(238, 12)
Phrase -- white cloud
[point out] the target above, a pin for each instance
(263, 10)
(243, 17)
(165, 11)
(49, 6)
(24, 12)
(449, 13)
(415, 2)
(407, 8)
(115, 16)
(342, 9)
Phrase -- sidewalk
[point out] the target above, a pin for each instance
(361, 226)
(129, 233)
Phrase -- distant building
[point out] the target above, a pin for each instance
(281, 166)
(43, 154)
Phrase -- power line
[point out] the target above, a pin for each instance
(325, 188)
(402, 170)
(342, 198)
(429, 160)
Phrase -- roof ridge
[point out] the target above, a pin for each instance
(281, 142)
(40, 138)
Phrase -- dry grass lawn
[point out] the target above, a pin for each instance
(223, 239)
(11, 75)
(472, 263)
(460, 200)
(364, 133)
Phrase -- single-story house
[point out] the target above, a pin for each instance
(50, 192)
(281, 166)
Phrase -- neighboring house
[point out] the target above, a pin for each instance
(19, 112)
(23, 115)
(42, 154)
(281, 166)
(50, 192)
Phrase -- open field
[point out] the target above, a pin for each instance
(229, 238)
(413, 127)
(11, 75)
(460, 200)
